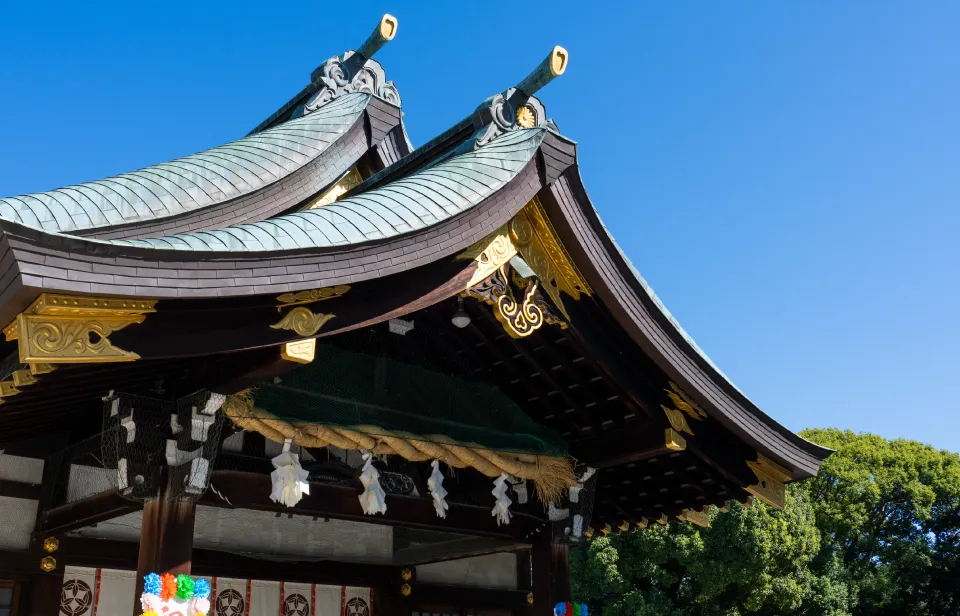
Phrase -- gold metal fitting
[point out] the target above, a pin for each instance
(530, 598)
(51, 544)
(48, 564)
(405, 590)
(406, 574)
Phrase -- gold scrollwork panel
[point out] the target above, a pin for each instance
(69, 329)
(311, 295)
(303, 321)
(71, 339)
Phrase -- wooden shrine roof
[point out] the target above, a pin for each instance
(611, 370)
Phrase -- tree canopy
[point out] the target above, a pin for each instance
(877, 532)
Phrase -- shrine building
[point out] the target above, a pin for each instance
(318, 371)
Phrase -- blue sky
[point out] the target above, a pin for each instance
(785, 175)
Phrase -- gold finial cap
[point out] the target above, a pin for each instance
(385, 31)
(558, 60)
(388, 27)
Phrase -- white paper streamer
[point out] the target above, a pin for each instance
(502, 507)
(289, 480)
(373, 500)
(435, 484)
(575, 488)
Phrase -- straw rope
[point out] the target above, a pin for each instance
(551, 475)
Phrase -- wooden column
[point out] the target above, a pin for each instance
(551, 573)
(166, 536)
(41, 597)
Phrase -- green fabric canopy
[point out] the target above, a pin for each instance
(346, 389)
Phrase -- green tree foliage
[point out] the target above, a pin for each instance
(876, 533)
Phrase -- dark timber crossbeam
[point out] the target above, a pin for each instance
(637, 441)
(443, 595)
(87, 511)
(15, 489)
(250, 491)
(85, 552)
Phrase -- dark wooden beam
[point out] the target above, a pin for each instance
(87, 511)
(469, 598)
(625, 444)
(251, 491)
(19, 564)
(15, 489)
(106, 553)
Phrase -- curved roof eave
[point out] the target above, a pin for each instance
(231, 173)
(641, 313)
(428, 216)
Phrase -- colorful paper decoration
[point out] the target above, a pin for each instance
(174, 595)
(566, 608)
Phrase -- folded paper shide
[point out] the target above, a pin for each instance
(166, 595)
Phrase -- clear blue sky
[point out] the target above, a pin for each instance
(785, 175)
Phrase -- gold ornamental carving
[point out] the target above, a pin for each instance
(66, 329)
(525, 116)
(518, 318)
(673, 440)
(699, 518)
(684, 402)
(489, 254)
(349, 181)
(7, 389)
(300, 352)
(531, 235)
(771, 481)
(303, 321)
(311, 295)
(677, 421)
(537, 242)
(684, 407)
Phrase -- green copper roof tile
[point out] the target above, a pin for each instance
(409, 204)
(192, 182)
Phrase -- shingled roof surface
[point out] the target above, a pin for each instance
(415, 202)
(192, 182)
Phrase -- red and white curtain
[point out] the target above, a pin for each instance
(106, 592)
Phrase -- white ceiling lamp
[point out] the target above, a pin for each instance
(460, 318)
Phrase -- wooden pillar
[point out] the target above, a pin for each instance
(166, 536)
(41, 597)
(551, 573)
